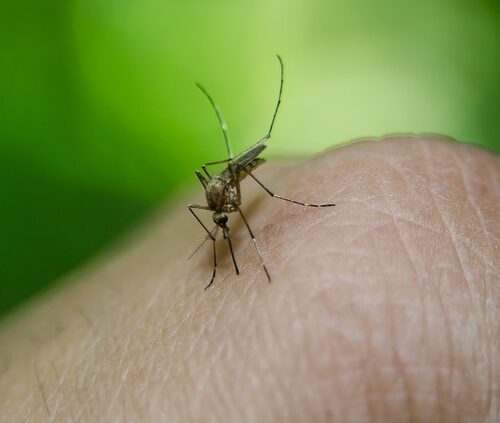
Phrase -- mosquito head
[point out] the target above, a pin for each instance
(220, 219)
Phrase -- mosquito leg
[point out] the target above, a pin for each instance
(201, 178)
(210, 235)
(286, 199)
(196, 206)
(226, 235)
(217, 162)
(222, 122)
(255, 243)
(215, 265)
(204, 166)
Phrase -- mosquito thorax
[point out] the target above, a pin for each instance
(223, 194)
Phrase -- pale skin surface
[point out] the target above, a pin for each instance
(384, 308)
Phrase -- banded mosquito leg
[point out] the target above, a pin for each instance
(255, 243)
(272, 194)
(226, 235)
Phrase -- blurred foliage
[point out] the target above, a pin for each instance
(100, 119)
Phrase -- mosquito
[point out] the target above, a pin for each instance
(222, 190)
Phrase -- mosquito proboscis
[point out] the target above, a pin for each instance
(222, 190)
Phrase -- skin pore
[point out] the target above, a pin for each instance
(384, 308)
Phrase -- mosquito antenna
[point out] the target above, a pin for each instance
(226, 234)
(222, 122)
(214, 234)
(282, 73)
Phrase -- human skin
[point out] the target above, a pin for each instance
(384, 308)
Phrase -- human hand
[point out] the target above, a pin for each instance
(384, 308)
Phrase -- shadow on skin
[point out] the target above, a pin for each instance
(383, 308)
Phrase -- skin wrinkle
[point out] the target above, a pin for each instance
(451, 353)
(477, 211)
(397, 361)
(331, 361)
(86, 317)
(449, 335)
(299, 335)
(392, 323)
(495, 180)
(419, 277)
(151, 355)
(273, 347)
(98, 378)
(60, 379)
(458, 255)
(357, 378)
(420, 280)
(119, 390)
(268, 338)
(242, 374)
(377, 379)
(301, 339)
(434, 229)
(460, 261)
(446, 224)
(246, 309)
(57, 394)
(42, 392)
(214, 357)
(179, 328)
(340, 412)
(410, 189)
(372, 382)
(485, 331)
(46, 343)
(86, 354)
(203, 380)
(298, 244)
(238, 354)
(123, 371)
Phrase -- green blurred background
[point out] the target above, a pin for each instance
(100, 119)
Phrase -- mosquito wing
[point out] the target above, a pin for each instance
(242, 160)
